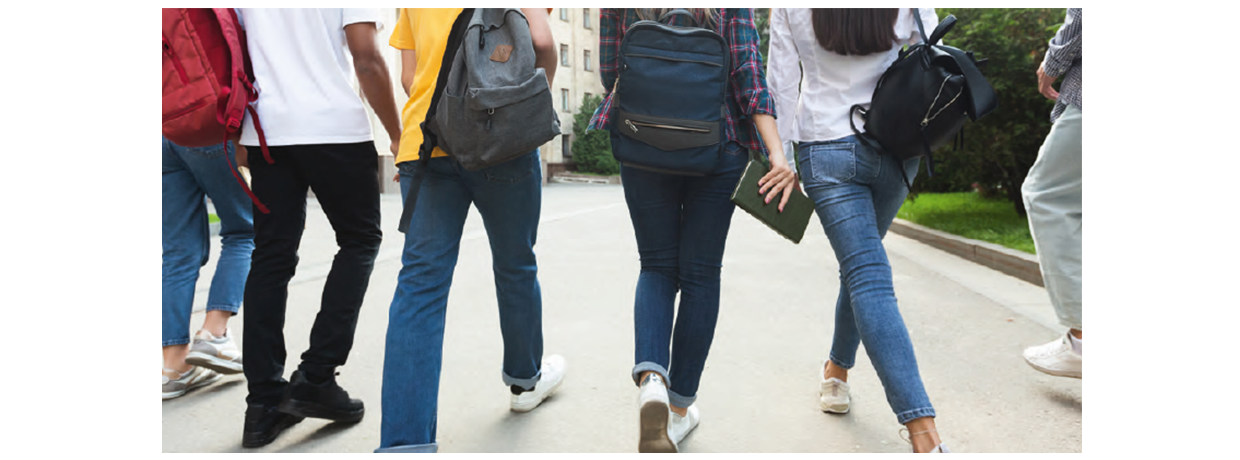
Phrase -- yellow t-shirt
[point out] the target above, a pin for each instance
(424, 31)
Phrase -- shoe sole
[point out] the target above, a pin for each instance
(250, 442)
(654, 438)
(1056, 373)
(526, 407)
(200, 384)
(833, 408)
(198, 358)
(316, 410)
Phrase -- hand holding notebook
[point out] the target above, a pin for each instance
(791, 222)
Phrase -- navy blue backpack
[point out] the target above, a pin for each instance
(670, 97)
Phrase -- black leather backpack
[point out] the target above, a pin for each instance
(924, 98)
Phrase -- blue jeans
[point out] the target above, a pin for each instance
(509, 198)
(856, 193)
(189, 176)
(681, 224)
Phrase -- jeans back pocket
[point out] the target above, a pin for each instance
(831, 164)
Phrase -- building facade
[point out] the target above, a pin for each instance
(576, 34)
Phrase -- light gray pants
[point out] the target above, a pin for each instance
(1052, 193)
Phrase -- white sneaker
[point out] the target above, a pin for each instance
(652, 402)
(681, 426)
(219, 354)
(939, 449)
(832, 393)
(176, 384)
(551, 376)
(1056, 358)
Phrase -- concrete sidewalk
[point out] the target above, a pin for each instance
(759, 392)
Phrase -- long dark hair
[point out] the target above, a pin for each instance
(708, 16)
(855, 31)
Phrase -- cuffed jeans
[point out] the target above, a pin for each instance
(856, 193)
(681, 224)
(189, 175)
(345, 180)
(509, 199)
(1052, 194)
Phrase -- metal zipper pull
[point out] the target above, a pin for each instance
(490, 113)
(630, 123)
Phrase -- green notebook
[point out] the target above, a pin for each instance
(791, 223)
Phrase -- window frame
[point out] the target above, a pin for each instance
(566, 59)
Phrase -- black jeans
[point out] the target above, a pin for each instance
(344, 178)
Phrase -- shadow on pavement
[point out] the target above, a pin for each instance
(1067, 399)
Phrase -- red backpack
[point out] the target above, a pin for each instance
(207, 84)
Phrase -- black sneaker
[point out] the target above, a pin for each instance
(263, 424)
(323, 400)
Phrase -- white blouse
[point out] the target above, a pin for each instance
(813, 98)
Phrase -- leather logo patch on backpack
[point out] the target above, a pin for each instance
(502, 53)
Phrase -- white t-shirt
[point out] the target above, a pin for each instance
(816, 107)
(303, 72)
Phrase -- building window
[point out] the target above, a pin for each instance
(585, 17)
(564, 100)
(565, 151)
(588, 62)
(563, 14)
(588, 96)
(564, 55)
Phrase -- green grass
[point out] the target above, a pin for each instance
(968, 215)
(583, 173)
(212, 218)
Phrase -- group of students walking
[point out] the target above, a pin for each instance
(821, 63)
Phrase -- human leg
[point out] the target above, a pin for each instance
(413, 354)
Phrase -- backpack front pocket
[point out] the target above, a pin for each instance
(668, 133)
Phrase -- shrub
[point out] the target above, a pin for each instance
(1000, 148)
(592, 149)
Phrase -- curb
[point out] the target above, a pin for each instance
(1009, 261)
(213, 229)
(570, 178)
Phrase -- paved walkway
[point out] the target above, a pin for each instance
(759, 391)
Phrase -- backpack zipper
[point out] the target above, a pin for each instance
(926, 119)
(650, 56)
(634, 124)
(175, 62)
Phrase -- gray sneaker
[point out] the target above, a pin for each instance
(176, 384)
(219, 354)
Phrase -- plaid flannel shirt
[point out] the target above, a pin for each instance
(1063, 58)
(747, 89)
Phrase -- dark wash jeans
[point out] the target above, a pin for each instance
(345, 180)
(681, 224)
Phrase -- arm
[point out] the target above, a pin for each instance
(544, 44)
(784, 78)
(754, 98)
(408, 67)
(372, 76)
(1063, 50)
(610, 32)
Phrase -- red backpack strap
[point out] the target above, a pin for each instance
(240, 93)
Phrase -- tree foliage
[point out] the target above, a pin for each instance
(1000, 148)
(592, 149)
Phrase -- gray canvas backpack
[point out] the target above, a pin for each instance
(496, 105)
(491, 105)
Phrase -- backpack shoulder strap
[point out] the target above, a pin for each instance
(982, 98)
